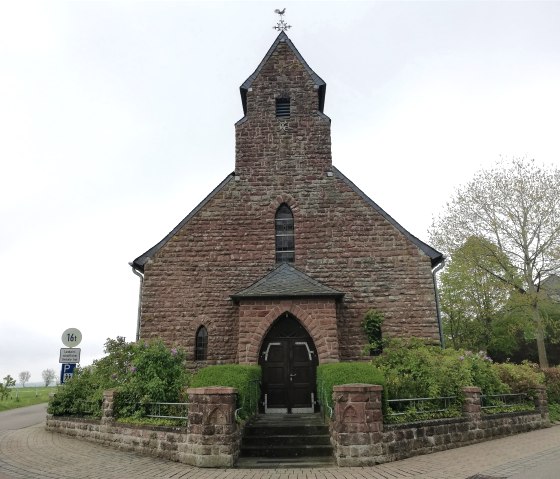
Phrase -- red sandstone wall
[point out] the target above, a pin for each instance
(340, 239)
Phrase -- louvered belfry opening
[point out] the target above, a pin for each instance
(282, 107)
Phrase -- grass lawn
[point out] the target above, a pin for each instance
(21, 397)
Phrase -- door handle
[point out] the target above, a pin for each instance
(292, 376)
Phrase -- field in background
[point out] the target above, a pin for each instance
(21, 397)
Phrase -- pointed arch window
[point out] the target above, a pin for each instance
(201, 348)
(285, 244)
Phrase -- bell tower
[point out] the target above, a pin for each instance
(284, 131)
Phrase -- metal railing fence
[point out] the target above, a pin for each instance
(498, 403)
(416, 409)
(166, 410)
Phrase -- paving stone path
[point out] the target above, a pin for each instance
(34, 453)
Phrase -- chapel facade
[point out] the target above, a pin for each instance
(278, 265)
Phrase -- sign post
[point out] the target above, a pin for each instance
(66, 372)
(71, 337)
(70, 355)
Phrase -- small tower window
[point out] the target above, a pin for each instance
(285, 244)
(201, 349)
(282, 107)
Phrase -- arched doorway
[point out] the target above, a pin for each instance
(289, 362)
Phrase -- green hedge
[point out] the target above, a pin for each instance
(246, 379)
(334, 374)
(552, 381)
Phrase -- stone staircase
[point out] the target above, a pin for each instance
(285, 440)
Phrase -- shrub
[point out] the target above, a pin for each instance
(552, 381)
(371, 325)
(334, 374)
(413, 369)
(554, 412)
(520, 378)
(141, 373)
(246, 379)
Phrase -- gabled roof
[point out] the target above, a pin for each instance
(283, 38)
(139, 262)
(286, 281)
(435, 256)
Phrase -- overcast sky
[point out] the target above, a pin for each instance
(117, 119)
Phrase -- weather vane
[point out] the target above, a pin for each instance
(281, 26)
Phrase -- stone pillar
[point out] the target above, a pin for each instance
(357, 428)
(213, 437)
(108, 407)
(472, 405)
(541, 401)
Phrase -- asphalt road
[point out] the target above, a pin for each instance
(22, 417)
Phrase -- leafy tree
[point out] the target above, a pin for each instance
(475, 303)
(48, 376)
(5, 388)
(24, 377)
(9, 381)
(515, 207)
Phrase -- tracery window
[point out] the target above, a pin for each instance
(201, 347)
(285, 244)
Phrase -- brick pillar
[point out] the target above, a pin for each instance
(472, 405)
(212, 434)
(357, 428)
(541, 401)
(108, 407)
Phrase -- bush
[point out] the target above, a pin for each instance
(246, 379)
(554, 412)
(520, 378)
(334, 374)
(413, 369)
(552, 381)
(140, 372)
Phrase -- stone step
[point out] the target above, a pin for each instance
(282, 439)
(284, 462)
(266, 450)
(283, 430)
(290, 437)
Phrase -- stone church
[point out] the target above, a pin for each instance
(278, 265)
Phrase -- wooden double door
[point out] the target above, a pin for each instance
(289, 364)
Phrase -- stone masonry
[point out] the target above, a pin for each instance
(360, 438)
(210, 439)
(341, 240)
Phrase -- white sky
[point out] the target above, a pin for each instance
(116, 119)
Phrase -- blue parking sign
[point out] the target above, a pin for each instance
(66, 372)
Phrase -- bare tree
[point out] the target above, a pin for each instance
(48, 376)
(516, 207)
(24, 377)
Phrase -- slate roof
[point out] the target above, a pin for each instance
(287, 281)
(283, 38)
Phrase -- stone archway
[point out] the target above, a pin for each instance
(289, 363)
(317, 315)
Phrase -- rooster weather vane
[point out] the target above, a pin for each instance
(281, 26)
